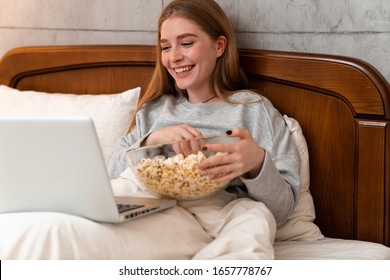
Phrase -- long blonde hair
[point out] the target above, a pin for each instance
(227, 76)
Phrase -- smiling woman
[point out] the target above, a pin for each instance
(198, 89)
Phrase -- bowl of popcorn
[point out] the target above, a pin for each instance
(172, 170)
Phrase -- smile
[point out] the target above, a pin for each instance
(183, 69)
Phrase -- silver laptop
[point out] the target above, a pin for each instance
(56, 164)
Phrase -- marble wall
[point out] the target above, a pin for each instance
(357, 28)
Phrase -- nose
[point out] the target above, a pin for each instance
(175, 55)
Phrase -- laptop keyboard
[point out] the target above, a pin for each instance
(127, 207)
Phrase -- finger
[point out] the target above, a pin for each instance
(220, 174)
(194, 132)
(176, 147)
(224, 179)
(191, 146)
(220, 167)
(184, 133)
(185, 147)
(201, 142)
(216, 147)
(217, 159)
(238, 132)
(210, 162)
(225, 145)
(195, 145)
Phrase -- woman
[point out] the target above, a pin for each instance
(198, 89)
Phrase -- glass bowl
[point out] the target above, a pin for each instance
(172, 170)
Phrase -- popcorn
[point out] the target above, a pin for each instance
(177, 177)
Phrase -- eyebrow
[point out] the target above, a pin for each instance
(181, 36)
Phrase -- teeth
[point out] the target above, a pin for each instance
(183, 69)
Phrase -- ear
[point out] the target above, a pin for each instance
(221, 45)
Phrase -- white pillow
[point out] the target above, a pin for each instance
(111, 113)
(299, 226)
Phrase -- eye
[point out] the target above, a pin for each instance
(165, 47)
(187, 44)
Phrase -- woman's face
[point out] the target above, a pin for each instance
(189, 55)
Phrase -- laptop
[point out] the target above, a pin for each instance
(56, 164)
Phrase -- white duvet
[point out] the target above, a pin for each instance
(219, 227)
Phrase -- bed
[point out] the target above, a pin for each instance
(338, 109)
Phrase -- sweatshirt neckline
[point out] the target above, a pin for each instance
(206, 106)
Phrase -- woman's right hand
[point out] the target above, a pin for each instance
(175, 133)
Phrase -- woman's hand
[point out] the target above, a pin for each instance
(175, 133)
(244, 158)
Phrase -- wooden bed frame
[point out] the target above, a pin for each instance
(342, 104)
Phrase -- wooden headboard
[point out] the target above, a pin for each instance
(342, 104)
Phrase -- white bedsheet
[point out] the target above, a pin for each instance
(331, 249)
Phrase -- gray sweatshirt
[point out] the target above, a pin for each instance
(278, 183)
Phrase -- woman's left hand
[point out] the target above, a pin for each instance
(244, 158)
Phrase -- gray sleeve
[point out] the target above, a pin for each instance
(272, 188)
(278, 184)
(117, 162)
